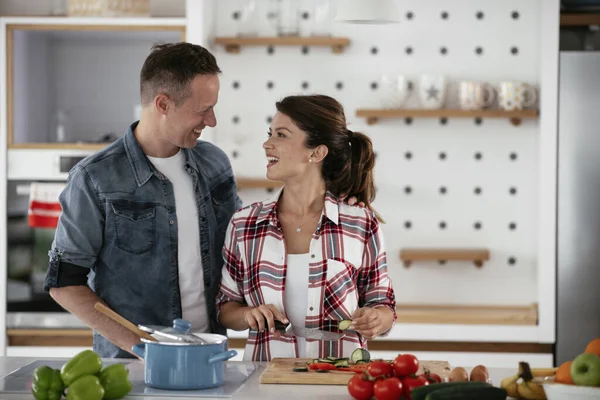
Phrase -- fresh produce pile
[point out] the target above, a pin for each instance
(397, 379)
(522, 385)
(81, 378)
(584, 369)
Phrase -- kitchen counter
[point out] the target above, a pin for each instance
(251, 390)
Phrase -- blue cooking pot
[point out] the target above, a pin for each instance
(180, 360)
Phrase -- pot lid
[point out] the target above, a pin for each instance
(179, 333)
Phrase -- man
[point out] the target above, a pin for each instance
(144, 219)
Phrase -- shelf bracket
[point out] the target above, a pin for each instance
(233, 48)
(515, 121)
(372, 120)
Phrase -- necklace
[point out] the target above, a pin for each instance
(299, 227)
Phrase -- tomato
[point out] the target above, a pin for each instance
(360, 368)
(388, 389)
(380, 369)
(360, 388)
(406, 364)
(432, 378)
(412, 382)
(322, 366)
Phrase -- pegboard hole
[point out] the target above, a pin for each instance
(269, 119)
(374, 85)
(270, 50)
(443, 190)
(235, 154)
(408, 224)
(236, 15)
(442, 156)
(374, 50)
(442, 225)
(305, 85)
(408, 120)
(270, 190)
(513, 191)
(477, 225)
(339, 85)
(443, 120)
(445, 15)
(514, 50)
(512, 226)
(443, 50)
(236, 85)
(477, 191)
(478, 156)
(513, 156)
(235, 119)
(478, 121)
(409, 50)
(479, 15)
(270, 85)
(512, 261)
(515, 15)
(407, 190)
(306, 15)
(408, 155)
(441, 262)
(305, 50)
(410, 15)
(479, 50)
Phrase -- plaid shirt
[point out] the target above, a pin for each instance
(347, 270)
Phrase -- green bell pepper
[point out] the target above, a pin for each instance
(115, 381)
(47, 384)
(85, 363)
(87, 387)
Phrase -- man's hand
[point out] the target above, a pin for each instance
(352, 201)
(264, 316)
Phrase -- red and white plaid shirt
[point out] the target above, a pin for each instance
(347, 270)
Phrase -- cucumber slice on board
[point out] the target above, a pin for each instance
(360, 355)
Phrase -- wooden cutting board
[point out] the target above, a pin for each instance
(280, 370)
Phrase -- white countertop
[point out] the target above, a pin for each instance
(251, 390)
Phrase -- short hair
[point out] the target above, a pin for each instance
(170, 68)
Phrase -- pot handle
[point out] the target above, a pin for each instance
(140, 350)
(226, 355)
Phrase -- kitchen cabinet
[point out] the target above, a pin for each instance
(74, 84)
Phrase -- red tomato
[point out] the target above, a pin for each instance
(432, 378)
(359, 388)
(412, 382)
(388, 389)
(406, 364)
(322, 366)
(359, 368)
(380, 369)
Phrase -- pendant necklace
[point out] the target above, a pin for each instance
(299, 227)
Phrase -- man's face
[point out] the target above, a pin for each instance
(184, 123)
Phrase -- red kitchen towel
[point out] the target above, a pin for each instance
(44, 208)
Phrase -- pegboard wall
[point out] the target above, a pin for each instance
(448, 182)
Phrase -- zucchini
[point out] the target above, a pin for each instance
(360, 355)
(468, 393)
(300, 369)
(421, 392)
(342, 363)
(344, 324)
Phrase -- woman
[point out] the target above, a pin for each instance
(305, 256)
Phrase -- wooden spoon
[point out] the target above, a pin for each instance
(122, 321)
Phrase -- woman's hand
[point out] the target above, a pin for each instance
(263, 317)
(371, 322)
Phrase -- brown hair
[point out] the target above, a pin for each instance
(171, 67)
(348, 166)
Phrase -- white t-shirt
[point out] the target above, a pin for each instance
(295, 294)
(191, 275)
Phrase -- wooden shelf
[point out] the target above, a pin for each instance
(80, 337)
(515, 117)
(477, 255)
(579, 19)
(234, 44)
(62, 146)
(255, 183)
(467, 314)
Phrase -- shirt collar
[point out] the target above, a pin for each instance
(267, 212)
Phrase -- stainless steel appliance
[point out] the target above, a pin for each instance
(578, 237)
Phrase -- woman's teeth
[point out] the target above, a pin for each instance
(272, 160)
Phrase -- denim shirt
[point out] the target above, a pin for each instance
(119, 221)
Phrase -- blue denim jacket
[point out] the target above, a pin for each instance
(119, 221)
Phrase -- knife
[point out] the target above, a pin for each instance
(288, 329)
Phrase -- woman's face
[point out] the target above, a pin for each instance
(287, 154)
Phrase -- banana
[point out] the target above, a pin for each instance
(543, 372)
(531, 391)
(510, 385)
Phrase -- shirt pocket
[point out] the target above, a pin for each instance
(135, 225)
(223, 201)
(341, 296)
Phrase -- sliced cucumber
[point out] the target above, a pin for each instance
(300, 369)
(361, 362)
(360, 355)
(326, 360)
(342, 363)
(344, 324)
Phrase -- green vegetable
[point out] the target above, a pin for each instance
(84, 363)
(300, 369)
(46, 384)
(344, 324)
(421, 392)
(468, 393)
(87, 387)
(360, 355)
(115, 381)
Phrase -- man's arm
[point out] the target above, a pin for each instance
(80, 301)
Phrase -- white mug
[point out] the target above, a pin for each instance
(516, 96)
(432, 91)
(475, 95)
(394, 90)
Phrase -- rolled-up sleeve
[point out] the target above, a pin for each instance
(374, 286)
(232, 278)
(79, 233)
